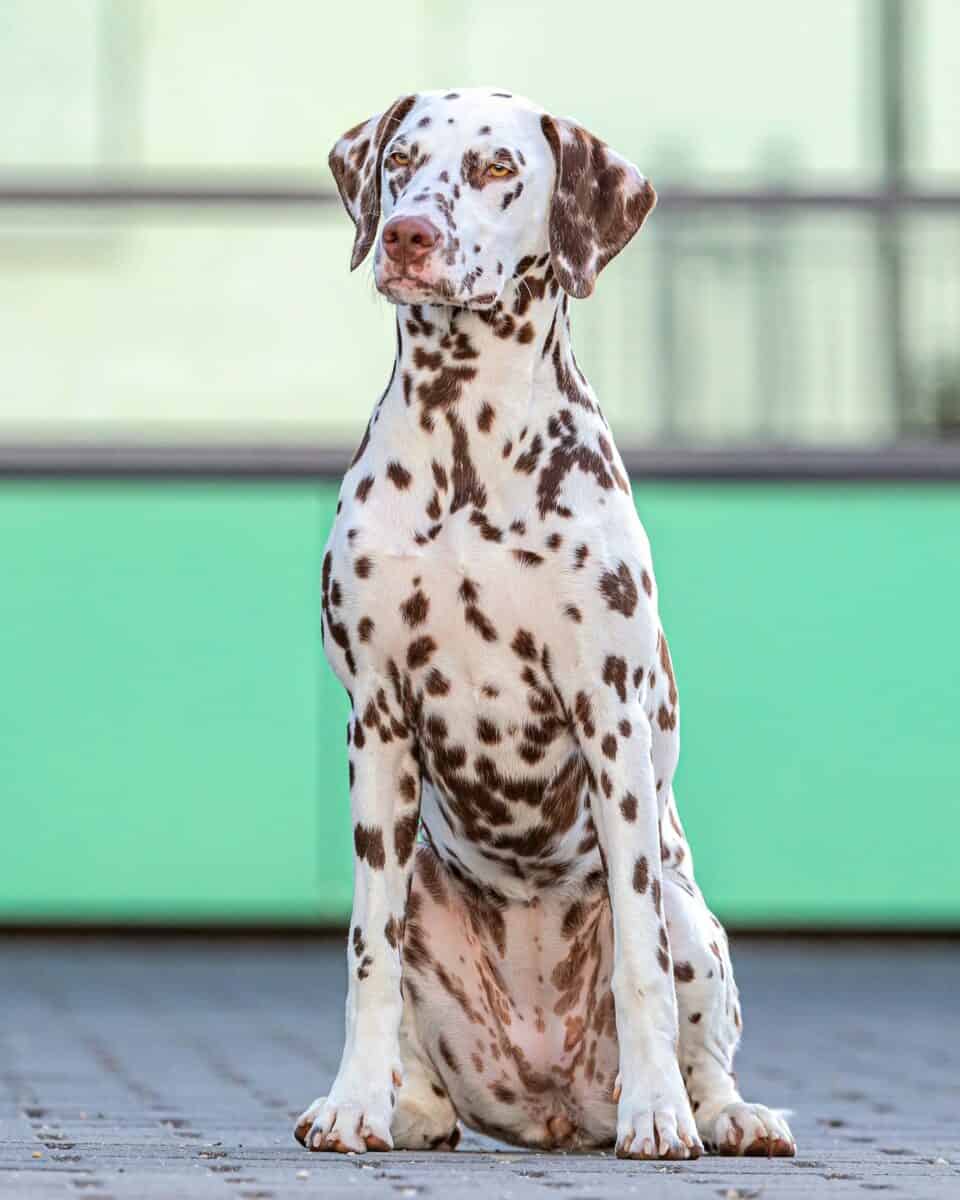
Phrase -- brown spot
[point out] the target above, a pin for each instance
(485, 418)
(447, 1055)
(363, 488)
(437, 684)
(615, 676)
(527, 558)
(487, 732)
(609, 746)
(619, 590)
(365, 628)
(524, 644)
(683, 972)
(527, 462)
(628, 806)
(419, 652)
(482, 624)
(398, 475)
(414, 611)
(647, 582)
(641, 875)
(573, 613)
(655, 896)
(663, 960)
(584, 714)
(363, 567)
(368, 843)
(404, 837)
(695, 1018)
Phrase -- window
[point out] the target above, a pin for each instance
(799, 284)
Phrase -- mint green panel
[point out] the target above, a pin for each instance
(814, 634)
(171, 746)
(171, 741)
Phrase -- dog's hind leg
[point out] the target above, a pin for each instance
(710, 1025)
(424, 1118)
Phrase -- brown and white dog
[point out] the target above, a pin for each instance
(542, 966)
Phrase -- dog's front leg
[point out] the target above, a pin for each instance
(654, 1119)
(385, 805)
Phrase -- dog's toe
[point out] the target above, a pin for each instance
(753, 1130)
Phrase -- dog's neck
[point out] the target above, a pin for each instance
(502, 367)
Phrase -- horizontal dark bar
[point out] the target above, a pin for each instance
(187, 193)
(686, 199)
(229, 932)
(298, 193)
(909, 461)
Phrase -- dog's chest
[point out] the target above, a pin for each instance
(457, 639)
(466, 600)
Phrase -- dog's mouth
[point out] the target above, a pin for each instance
(402, 285)
(404, 288)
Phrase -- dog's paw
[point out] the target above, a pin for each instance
(750, 1129)
(345, 1126)
(654, 1119)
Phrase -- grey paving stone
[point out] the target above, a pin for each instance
(172, 1069)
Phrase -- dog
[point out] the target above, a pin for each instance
(529, 954)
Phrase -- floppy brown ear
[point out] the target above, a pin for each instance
(355, 162)
(600, 200)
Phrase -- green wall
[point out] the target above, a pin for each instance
(171, 740)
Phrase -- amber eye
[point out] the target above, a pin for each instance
(399, 158)
(499, 170)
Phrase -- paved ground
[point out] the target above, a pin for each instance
(173, 1069)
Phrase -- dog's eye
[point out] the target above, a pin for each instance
(500, 170)
(399, 159)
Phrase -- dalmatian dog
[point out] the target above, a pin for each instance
(529, 954)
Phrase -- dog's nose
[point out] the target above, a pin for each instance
(408, 239)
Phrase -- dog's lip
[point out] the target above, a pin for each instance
(435, 290)
(410, 280)
(405, 278)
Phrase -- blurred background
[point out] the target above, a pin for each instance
(778, 353)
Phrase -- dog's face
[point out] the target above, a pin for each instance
(475, 182)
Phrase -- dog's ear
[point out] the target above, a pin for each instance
(355, 162)
(600, 200)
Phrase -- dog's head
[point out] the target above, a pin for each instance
(474, 182)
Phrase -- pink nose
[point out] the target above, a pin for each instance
(409, 239)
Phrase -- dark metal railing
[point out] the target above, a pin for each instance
(225, 192)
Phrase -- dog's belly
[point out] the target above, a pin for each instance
(512, 1004)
